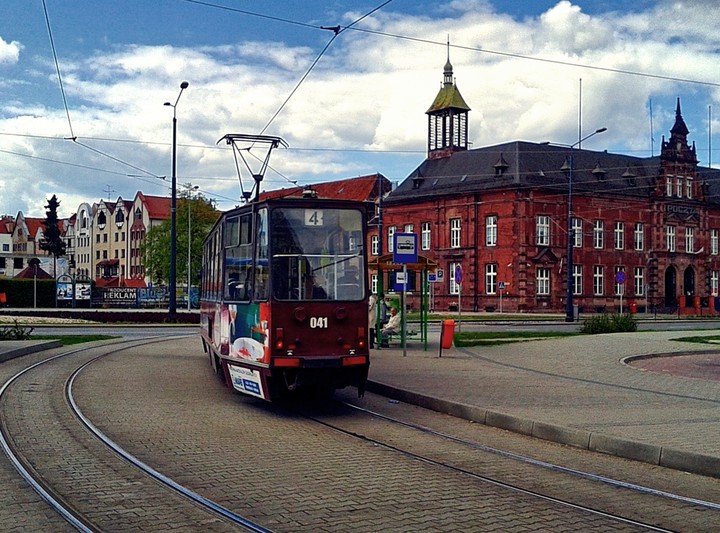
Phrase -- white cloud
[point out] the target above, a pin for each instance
(368, 91)
(9, 52)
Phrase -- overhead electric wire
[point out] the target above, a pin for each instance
(337, 29)
(57, 68)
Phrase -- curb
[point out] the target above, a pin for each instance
(692, 462)
(20, 348)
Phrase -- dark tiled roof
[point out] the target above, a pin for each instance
(361, 189)
(522, 165)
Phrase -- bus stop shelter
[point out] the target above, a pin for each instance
(384, 265)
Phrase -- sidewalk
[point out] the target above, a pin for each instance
(574, 390)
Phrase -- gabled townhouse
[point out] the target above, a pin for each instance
(83, 243)
(110, 241)
(7, 224)
(146, 212)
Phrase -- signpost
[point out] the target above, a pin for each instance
(458, 280)
(404, 252)
(620, 279)
(501, 288)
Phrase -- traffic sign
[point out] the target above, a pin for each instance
(501, 285)
(620, 277)
(405, 248)
(458, 273)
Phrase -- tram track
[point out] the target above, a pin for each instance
(639, 506)
(101, 495)
(369, 474)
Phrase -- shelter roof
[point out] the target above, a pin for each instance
(385, 262)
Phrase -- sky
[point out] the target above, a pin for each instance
(348, 104)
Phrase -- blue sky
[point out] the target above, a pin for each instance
(518, 64)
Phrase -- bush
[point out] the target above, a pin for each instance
(15, 333)
(609, 323)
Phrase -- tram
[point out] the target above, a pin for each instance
(284, 297)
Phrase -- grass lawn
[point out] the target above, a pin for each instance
(69, 340)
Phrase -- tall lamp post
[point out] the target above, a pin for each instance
(569, 307)
(172, 282)
(190, 188)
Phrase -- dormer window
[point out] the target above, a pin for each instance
(119, 219)
(599, 172)
(102, 220)
(501, 166)
(629, 175)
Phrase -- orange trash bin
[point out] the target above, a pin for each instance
(448, 332)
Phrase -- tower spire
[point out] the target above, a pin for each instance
(447, 117)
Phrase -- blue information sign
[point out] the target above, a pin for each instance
(405, 248)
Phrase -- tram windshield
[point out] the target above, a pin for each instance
(317, 254)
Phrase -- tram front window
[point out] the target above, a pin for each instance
(316, 254)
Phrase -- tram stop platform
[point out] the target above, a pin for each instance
(589, 391)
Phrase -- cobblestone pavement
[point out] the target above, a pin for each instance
(581, 383)
(288, 472)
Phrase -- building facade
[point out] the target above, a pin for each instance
(642, 232)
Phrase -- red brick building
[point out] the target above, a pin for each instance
(501, 214)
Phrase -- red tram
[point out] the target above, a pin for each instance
(284, 296)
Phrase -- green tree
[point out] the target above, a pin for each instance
(156, 245)
(52, 241)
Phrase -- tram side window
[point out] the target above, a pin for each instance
(238, 258)
(262, 285)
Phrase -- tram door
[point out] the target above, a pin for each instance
(670, 287)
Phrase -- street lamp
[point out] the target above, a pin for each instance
(172, 282)
(190, 188)
(569, 308)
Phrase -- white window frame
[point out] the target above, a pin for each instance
(542, 281)
(491, 230)
(714, 281)
(598, 234)
(639, 236)
(425, 236)
(689, 240)
(542, 230)
(689, 187)
(599, 280)
(714, 239)
(639, 279)
(669, 186)
(374, 245)
(491, 275)
(577, 230)
(391, 237)
(577, 280)
(619, 287)
(454, 287)
(670, 238)
(619, 235)
(678, 186)
(455, 232)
